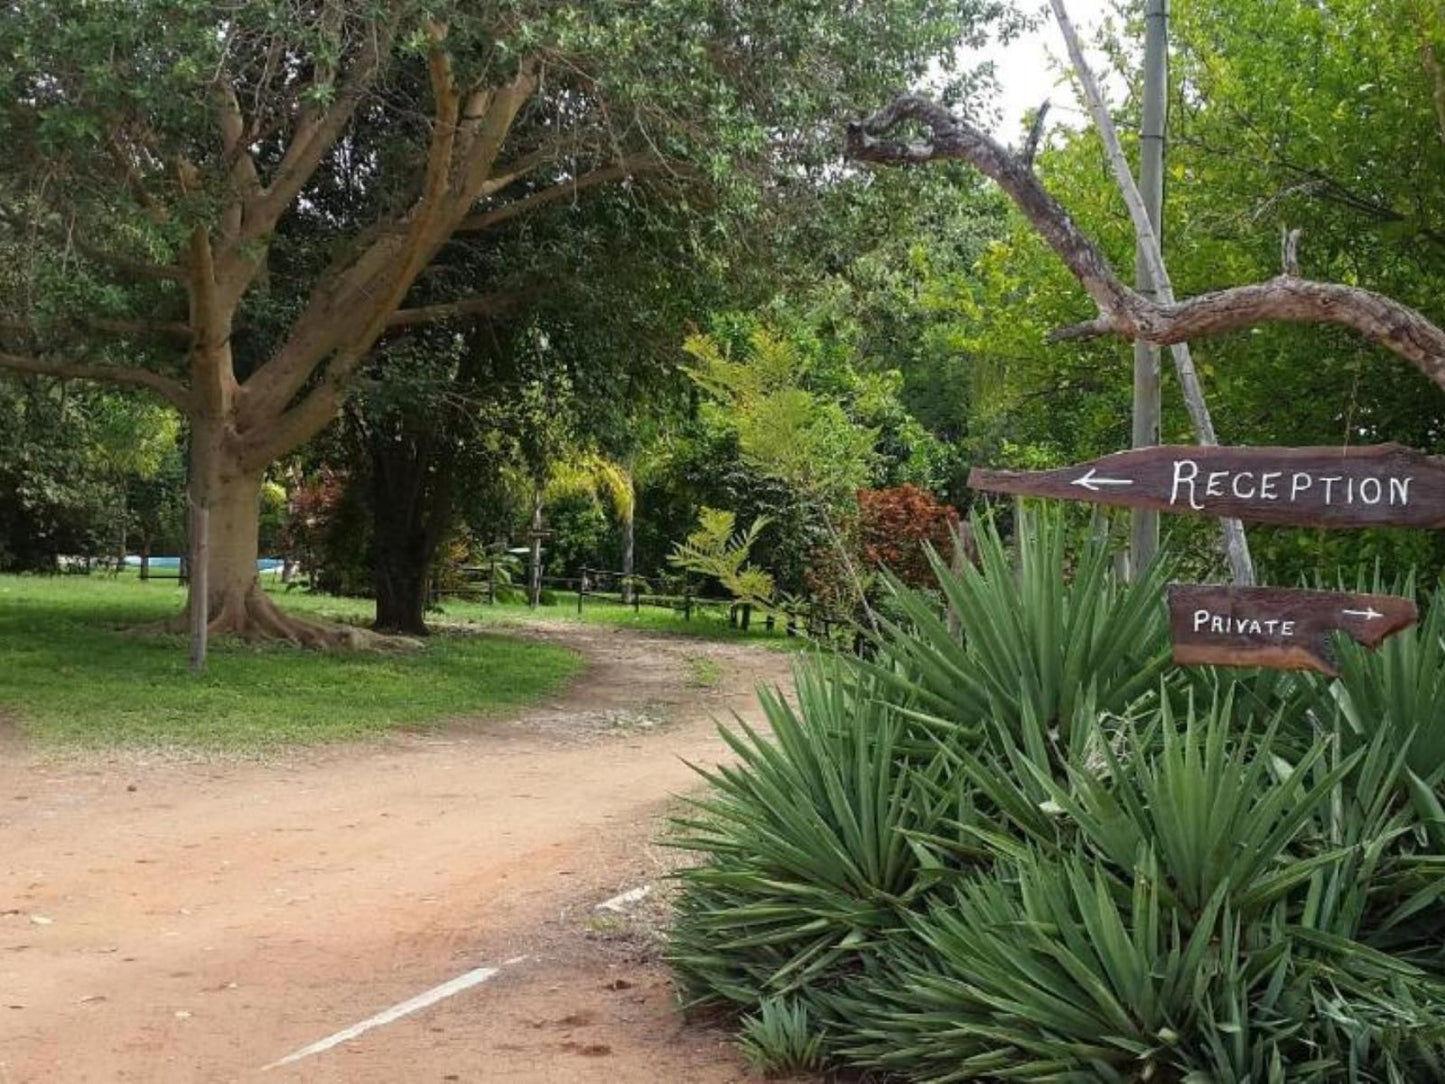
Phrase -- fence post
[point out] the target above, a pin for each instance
(687, 604)
(492, 582)
(581, 588)
(636, 596)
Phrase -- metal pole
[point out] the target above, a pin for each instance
(198, 610)
(1236, 544)
(534, 571)
(1144, 526)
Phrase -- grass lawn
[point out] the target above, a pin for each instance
(709, 623)
(71, 676)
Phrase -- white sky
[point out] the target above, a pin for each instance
(1027, 74)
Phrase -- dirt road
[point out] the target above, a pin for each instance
(188, 922)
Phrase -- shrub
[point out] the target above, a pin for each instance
(780, 1039)
(896, 527)
(1035, 851)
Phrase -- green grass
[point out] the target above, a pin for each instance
(708, 623)
(72, 676)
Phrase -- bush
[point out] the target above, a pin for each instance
(1035, 851)
(781, 1039)
(897, 525)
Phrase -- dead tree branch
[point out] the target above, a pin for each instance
(1122, 311)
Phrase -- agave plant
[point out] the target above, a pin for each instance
(781, 1038)
(1037, 639)
(806, 841)
(1033, 851)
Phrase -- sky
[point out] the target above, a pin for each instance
(1026, 75)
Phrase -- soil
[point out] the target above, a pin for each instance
(164, 920)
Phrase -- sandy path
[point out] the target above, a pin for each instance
(194, 922)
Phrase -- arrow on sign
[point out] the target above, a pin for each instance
(1385, 485)
(1278, 628)
(1093, 483)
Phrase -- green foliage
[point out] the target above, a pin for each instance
(807, 845)
(785, 429)
(717, 549)
(780, 1039)
(1065, 873)
(1398, 691)
(1046, 639)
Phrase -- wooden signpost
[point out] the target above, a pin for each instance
(1278, 628)
(1385, 485)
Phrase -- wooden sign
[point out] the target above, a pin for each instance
(1277, 628)
(1383, 485)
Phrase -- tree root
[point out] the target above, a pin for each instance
(253, 617)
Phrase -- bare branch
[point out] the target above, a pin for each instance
(178, 330)
(317, 132)
(130, 266)
(1151, 255)
(1123, 312)
(482, 305)
(1036, 133)
(172, 390)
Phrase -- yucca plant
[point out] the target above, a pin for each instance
(1195, 907)
(1043, 973)
(806, 841)
(1038, 638)
(1400, 688)
(780, 1038)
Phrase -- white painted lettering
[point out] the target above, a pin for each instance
(1180, 466)
(1235, 485)
(1286, 628)
(1329, 481)
(1298, 483)
(1400, 490)
(1213, 487)
(1365, 490)
(1266, 485)
(1349, 491)
(1201, 617)
(1217, 624)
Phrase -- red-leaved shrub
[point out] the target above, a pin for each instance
(894, 525)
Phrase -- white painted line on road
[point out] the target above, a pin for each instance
(622, 900)
(462, 982)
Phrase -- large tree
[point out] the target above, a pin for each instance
(174, 170)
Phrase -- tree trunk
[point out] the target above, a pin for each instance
(402, 563)
(236, 604)
(627, 557)
(401, 598)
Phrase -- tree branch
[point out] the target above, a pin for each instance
(316, 134)
(481, 305)
(563, 190)
(178, 330)
(1123, 312)
(172, 390)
